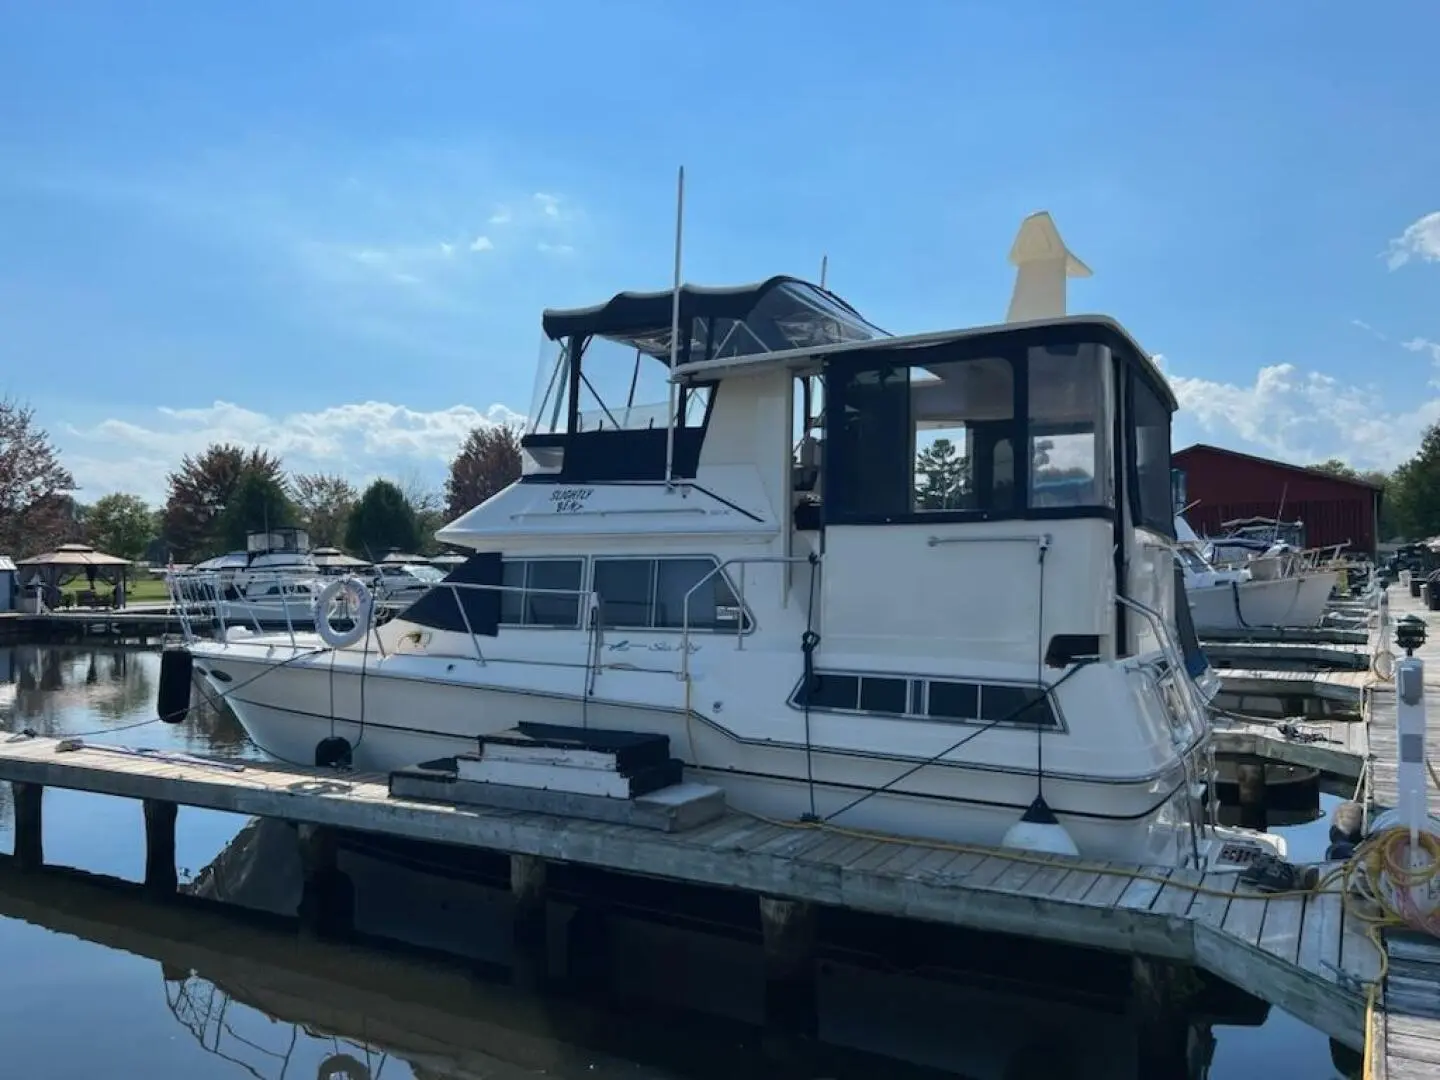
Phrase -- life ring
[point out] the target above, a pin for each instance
(342, 1065)
(362, 607)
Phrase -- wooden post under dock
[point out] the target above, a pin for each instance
(530, 941)
(327, 897)
(1250, 778)
(788, 932)
(1160, 997)
(29, 825)
(161, 878)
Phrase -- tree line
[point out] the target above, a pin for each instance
(219, 494)
(223, 492)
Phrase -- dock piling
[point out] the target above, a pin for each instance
(29, 831)
(788, 932)
(1160, 994)
(530, 941)
(161, 879)
(327, 898)
(1250, 778)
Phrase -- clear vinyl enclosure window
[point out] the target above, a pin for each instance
(1018, 430)
(1067, 430)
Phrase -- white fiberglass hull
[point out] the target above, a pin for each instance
(394, 721)
(1298, 601)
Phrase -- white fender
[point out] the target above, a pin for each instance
(362, 608)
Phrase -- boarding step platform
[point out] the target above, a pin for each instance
(623, 777)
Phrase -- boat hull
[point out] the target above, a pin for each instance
(287, 708)
(1298, 601)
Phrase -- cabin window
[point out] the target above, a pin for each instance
(952, 700)
(1066, 411)
(1010, 424)
(840, 692)
(936, 699)
(523, 601)
(1151, 491)
(927, 439)
(650, 594)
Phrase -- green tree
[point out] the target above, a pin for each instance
(324, 502)
(36, 511)
(488, 462)
(381, 520)
(121, 525)
(201, 489)
(1414, 490)
(429, 509)
(942, 477)
(259, 501)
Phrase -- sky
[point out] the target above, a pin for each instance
(330, 228)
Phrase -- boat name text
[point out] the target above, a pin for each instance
(570, 500)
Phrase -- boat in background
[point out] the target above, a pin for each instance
(275, 581)
(1230, 598)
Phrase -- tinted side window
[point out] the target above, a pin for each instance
(713, 606)
(953, 700)
(829, 692)
(512, 602)
(549, 609)
(627, 590)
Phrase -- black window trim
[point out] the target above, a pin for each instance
(918, 697)
(1013, 346)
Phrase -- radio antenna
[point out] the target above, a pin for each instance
(675, 331)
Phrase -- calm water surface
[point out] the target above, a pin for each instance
(98, 988)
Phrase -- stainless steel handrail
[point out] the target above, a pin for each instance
(719, 569)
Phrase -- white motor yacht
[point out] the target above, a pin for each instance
(958, 601)
(1234, 598)
(273, 583)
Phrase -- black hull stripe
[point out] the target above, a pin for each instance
(743, 740)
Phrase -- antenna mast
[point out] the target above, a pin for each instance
(675, 331)
(824, 269)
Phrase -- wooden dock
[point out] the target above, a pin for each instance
(1313, 635)
(1337, 749)
(1314, 695)
(151, 623)
(1288, 655)
(1306, 954)
(1405, 1037)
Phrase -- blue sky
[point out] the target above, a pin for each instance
(331, 227)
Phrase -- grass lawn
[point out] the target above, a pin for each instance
(146, 590)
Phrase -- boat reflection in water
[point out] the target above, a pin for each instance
(676, 981)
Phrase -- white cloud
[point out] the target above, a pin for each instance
(549, 205)
(360, 441)
(1420, 240)
(1363, 325)
(1304, 417)
(502, 216)
(1423, 345)
(547, 248)
(481, 243)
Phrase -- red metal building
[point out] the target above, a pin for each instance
(1224, 485)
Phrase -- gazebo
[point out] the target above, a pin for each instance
(334, 561)
(68, 562)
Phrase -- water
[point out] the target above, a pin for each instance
(102, 983)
